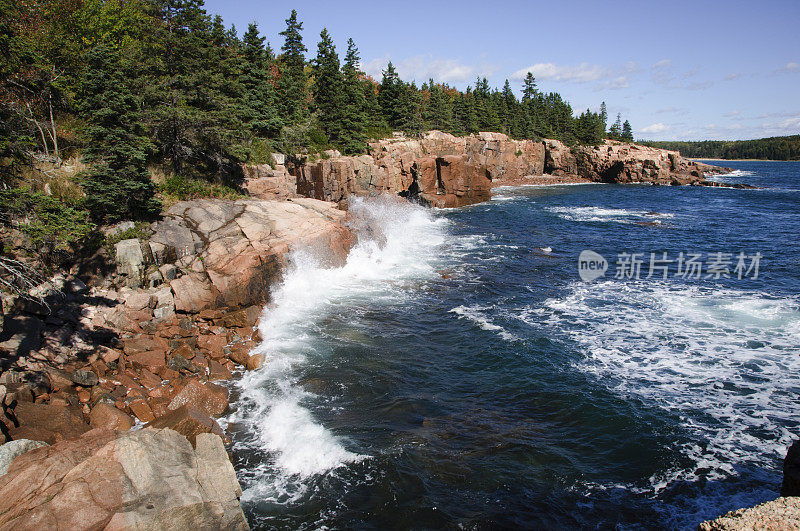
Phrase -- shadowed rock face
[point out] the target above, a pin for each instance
(147, 479)
(231, 251)
(448, 171)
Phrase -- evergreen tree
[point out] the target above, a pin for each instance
(356, 121)
(603, 120)
(409, 108)
(292, 87)
(627, 132)
(438, 111)
(389, 97)
(508, 110)
(615, 133)
(260, 113)
(465, 113)
(118, 186)
(329, 95)
(529, 88)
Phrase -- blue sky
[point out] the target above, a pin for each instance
(684, 70)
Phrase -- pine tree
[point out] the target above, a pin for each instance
(529, 88)
(292, 87)
(603, 120)
(615, 133)
(627, 132)
(260, 115)
(508, 110)
(356, 120)
(389, 97)
(118, 186)
(329, 94)
(438, 112)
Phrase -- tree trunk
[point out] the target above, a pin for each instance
(39, 127)
(53, 125)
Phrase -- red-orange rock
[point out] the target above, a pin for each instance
(148, 379)
(213, 344)
(47, 422)
(107, 416)
(189, 422)
(142, 410)
(152, 359)
(255, 361)
(209, 398)
(217, 371)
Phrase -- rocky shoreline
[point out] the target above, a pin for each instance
(114, 364)
(443, 170)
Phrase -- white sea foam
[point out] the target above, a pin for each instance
(476, 315)
(726, 361)
(608, 215)
(396, 247)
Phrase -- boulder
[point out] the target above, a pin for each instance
(145, 479)
(21, 334)
(104, 415)
(47, 422)
(189, 422)
(84, 377)
(132, 258)
(210, 398)
(10, 450)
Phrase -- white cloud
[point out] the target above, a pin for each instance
(664, 63)
(732, 113)
(581, 73)
(423, 67)
(789, 126)
(655, 128)
(731, 77)
(789, 67)
(672, 110)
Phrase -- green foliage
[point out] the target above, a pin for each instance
(293, 92)
(56, 230)
(330, 98)
(141, 231)
(118, 186)
(772, 148)
(180, 188)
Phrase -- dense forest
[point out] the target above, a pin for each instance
(773, 148)
(159, 88)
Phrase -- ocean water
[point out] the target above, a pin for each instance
(457, 372)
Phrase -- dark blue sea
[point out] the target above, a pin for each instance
(457, 372)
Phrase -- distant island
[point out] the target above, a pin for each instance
(772, 148)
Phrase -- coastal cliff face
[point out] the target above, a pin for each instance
(448, 171)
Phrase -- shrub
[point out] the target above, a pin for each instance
(180, 188)
(56, 230)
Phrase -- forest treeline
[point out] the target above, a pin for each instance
(773, 148)
(133, 85)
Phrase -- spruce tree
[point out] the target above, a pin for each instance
(615, 133)
(438, 112)
(118, 185)
(293, 94)
(389, 97)
(603, 120)
(260, 113)
(627, 132)
(356, 121)
(329, 95)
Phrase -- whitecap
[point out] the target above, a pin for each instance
(397, 247)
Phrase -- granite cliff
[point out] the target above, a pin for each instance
(447, 171)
